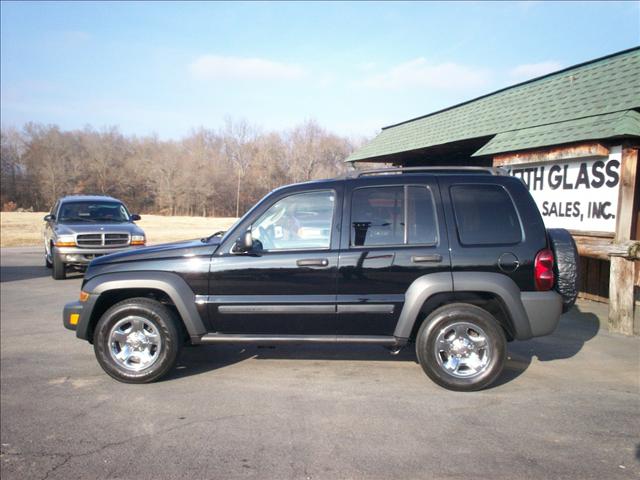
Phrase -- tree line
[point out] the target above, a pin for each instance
(220, 172)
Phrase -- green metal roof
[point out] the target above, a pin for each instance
(609, 125)
(604, 86)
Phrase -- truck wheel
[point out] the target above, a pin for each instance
(461, 347)
(58, 272)
(566, 266)
(137, 340)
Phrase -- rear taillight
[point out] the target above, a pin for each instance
(543, 270)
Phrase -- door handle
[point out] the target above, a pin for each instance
(313, 262)
(427, 258)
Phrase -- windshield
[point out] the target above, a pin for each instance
(93, 212)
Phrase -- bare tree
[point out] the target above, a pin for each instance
(11, 167)
(313, 152)
(105, 156)
(205, 173)
(237, 146)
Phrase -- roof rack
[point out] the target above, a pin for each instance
(443, 169)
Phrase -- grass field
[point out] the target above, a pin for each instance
(25, 229)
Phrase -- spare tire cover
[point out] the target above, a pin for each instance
(566, 266)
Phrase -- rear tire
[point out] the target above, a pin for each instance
(58, 272)
(137, 340)
(461, 347)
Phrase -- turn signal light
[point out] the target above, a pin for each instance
(65, 241)
(138, 240)
(73, 319)
(84, 296)
(543, 270)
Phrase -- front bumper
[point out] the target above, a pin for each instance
(77, 316)
(71, 315)
(82, 256)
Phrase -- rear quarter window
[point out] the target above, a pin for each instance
(485, 215)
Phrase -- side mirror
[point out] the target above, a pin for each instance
(135, 217)
(49, 218)
(244, 243)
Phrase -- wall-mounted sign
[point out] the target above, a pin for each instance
(575, 194)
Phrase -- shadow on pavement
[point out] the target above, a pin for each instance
(205, 358)
(27, 272)
(22, 272)
(575, 329)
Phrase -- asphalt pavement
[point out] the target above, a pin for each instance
(567, 405)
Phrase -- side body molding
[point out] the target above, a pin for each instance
(418, 292)
(505, 289)
(170, 283)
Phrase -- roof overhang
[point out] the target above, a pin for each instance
(599, 127)
(591, 101)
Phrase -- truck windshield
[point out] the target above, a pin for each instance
(93, 212)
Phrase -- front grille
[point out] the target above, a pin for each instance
(116, 239)
(89, 240)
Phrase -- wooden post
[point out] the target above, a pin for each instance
(621, 279)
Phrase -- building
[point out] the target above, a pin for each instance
(573, 138)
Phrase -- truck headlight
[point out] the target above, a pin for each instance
(65, 241)
(138, 240)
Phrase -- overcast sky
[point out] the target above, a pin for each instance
(354, 67)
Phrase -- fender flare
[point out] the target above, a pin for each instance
(498, 284)
(419, 292)
(170, 283)
(505, 289)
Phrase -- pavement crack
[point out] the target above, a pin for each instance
(66, 456)
(61, 464)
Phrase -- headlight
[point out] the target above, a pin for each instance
(65, 241)
(138, 240)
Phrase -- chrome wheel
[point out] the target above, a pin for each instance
(462, 350)
(135, 343)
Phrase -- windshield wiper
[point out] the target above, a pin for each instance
(217, 234)
(104, 219)
(73, 219)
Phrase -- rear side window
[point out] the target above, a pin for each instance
(485, 215)
(377, 216)
(397, 215)
(421, 216)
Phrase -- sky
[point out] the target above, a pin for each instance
(168, 68)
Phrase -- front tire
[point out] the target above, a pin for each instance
(461, 347)
(59, 271)
(137, 340)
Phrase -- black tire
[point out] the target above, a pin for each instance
(566, 266)
(154, 314)
(59, 270)
(461, 314)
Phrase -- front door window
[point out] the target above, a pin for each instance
(297, 222)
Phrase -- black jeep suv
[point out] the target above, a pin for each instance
(456, 260)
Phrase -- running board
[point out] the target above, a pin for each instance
(283, 339)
